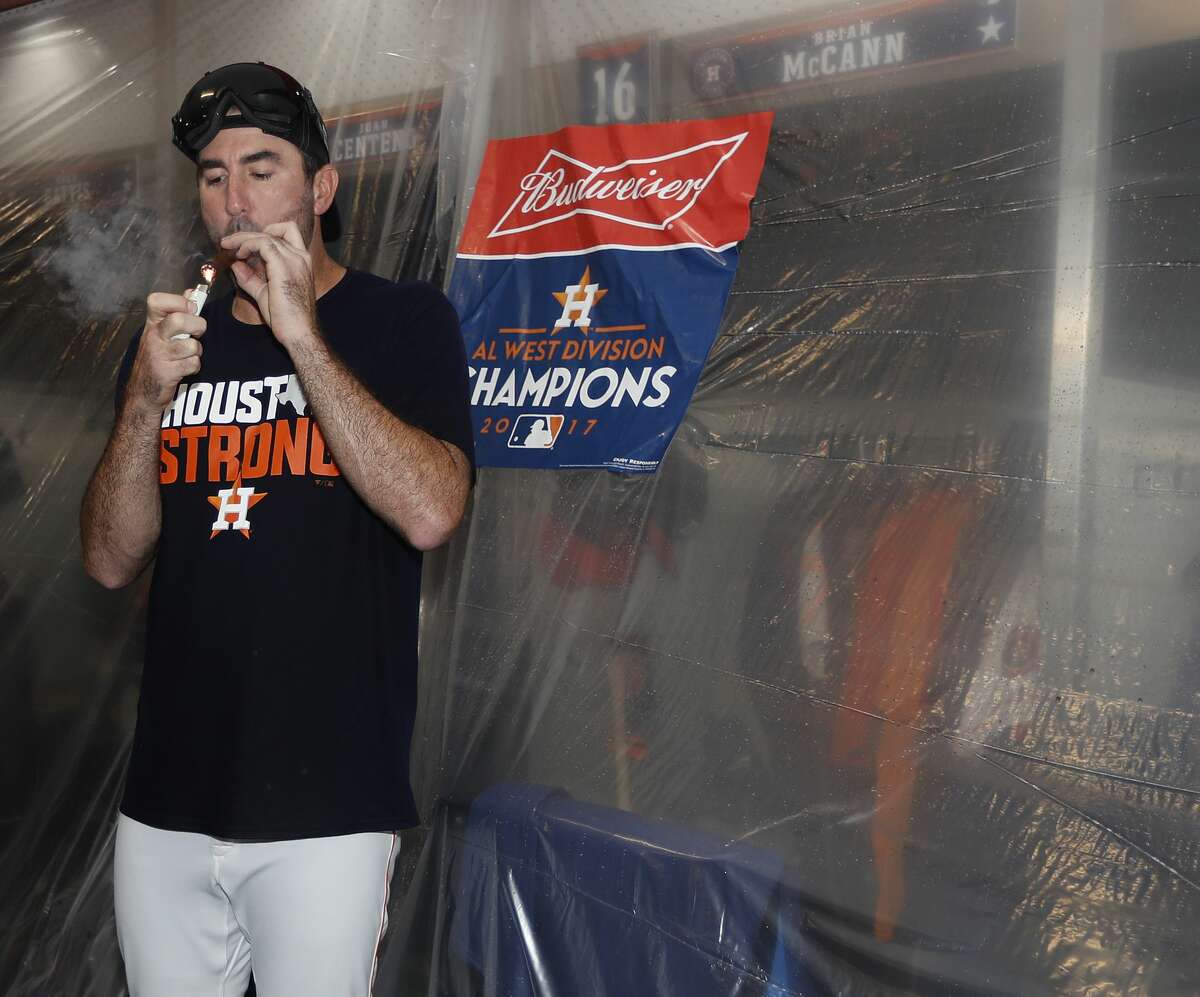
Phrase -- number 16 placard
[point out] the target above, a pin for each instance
(616, 81)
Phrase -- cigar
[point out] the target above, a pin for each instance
(209, 270)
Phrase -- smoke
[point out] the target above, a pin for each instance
(106, 256)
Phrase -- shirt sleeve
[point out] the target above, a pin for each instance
(426, 343)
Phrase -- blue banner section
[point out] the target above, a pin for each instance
(587, 360)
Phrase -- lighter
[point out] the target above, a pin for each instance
(199, 294)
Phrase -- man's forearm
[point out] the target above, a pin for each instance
(122, 512)
(410, 479)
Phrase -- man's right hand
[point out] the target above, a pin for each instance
(162, 360)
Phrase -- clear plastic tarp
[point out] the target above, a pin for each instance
(886, 683)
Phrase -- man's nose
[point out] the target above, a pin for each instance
(235, 196)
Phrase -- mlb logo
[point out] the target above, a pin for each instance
(535, 432)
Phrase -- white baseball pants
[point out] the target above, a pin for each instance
(196, 914)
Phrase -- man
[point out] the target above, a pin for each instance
(287, 454)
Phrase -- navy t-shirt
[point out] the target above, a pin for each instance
(280, 682)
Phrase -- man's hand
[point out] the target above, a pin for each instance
(286, 295)
(168, 352)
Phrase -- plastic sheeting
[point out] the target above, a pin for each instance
(887, 682)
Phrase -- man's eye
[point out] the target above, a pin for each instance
(261, 176)
(213, 181)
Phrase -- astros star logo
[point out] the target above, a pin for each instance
(233, 505)
(577, 301)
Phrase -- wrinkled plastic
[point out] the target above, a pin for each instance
(887, 682)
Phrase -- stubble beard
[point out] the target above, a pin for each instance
(301, 213)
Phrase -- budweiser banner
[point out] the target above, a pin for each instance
(591, 277)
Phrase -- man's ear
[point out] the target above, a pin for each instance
(325, 185)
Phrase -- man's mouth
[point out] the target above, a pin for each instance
(241, 224)
(254, 260)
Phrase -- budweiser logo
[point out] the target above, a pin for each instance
(649, 193)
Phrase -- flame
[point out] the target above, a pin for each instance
(218, 264)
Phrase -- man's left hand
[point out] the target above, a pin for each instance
(285, 295)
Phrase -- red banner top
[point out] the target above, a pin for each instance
(655, 186)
